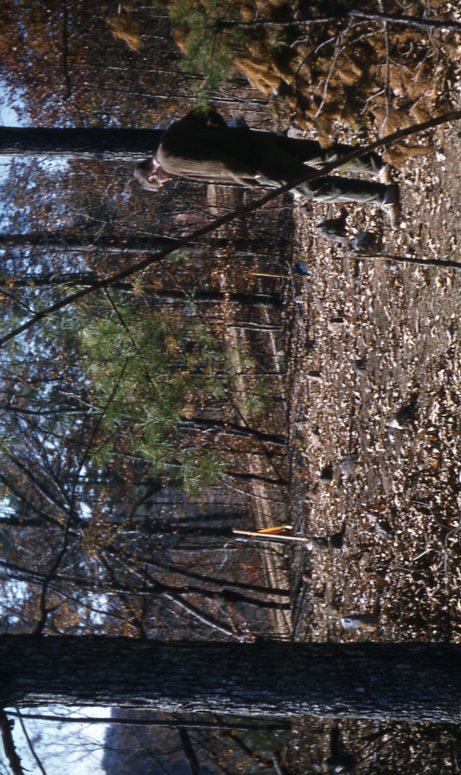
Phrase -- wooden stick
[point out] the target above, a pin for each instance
(266, 274)
(267, 537)
(424, 262)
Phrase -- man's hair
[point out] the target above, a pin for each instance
(141, 172)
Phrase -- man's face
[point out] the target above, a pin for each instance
(157, 176)
(150, 175)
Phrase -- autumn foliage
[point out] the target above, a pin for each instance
(343, 71)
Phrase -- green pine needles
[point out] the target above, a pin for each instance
(209, 49)
(153, 374)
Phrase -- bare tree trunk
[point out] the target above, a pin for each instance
(66, 242)
(167, 295)
(92, 143)
(407, 681)
(63, 242)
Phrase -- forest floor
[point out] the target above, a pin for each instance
(372, 336)
(375, 336)
(361, 338)
(366, 379)
(372, 391)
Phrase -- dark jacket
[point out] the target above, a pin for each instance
(203, 147)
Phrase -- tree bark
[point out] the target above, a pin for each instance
(63, 242)
(406, 681)
(168, 295)
(92, 143)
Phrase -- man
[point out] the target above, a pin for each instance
(203, 147)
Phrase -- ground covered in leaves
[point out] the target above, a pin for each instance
(377, 427)
(335, 67)
(364, 358)
(376, 450)
(371, 346)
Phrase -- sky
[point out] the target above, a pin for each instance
(62, 748)
(8, 117)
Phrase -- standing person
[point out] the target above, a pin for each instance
(202, 147)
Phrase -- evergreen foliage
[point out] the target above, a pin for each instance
(209, 50)
(151, 372)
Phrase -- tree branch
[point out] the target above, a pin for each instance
(8, 744)
(30, 744)
(65, 51)
(188, 751)
(143, 722)
(400, 19)
(407, 21)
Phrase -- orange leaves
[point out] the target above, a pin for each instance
(126, 29)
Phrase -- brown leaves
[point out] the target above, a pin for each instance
(401, 504)
(126, 29)
(349, 72)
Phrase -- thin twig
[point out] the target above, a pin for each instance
(387, 71)
(13, 298)
(337, 52)
(43, 608)
(65, 51)
(406, 21)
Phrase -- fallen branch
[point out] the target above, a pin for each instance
(399, 19)
(446, 263)
(256, 535)
(407, 21)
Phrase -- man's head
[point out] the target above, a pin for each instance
(150, 175)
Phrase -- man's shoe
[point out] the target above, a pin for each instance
(391, 204)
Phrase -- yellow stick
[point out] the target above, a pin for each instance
(269, 537)
(265, 274)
